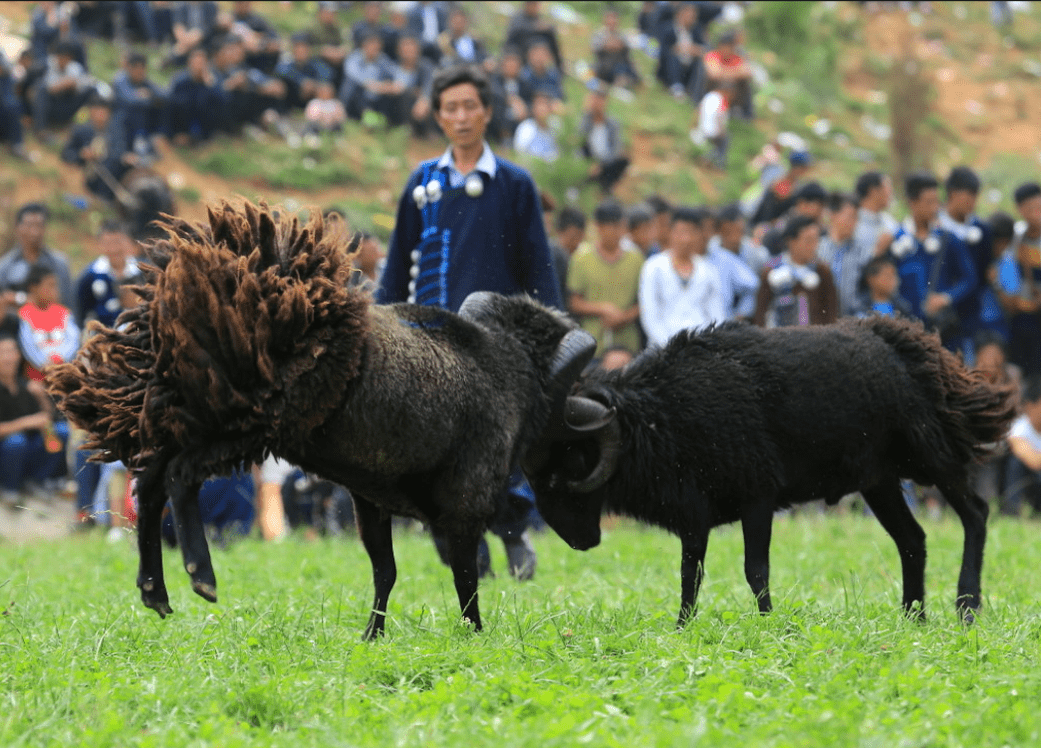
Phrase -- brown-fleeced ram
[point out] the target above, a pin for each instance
(733, 423)
(249, 340)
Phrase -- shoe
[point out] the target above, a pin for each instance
(521, 557)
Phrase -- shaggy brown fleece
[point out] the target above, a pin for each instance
(246, 339)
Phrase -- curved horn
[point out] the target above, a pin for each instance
(476, 303)
(603, 424)
(583, 415)
(573, 354)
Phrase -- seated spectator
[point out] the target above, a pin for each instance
(371, 22)
(510, 94)
(539, 74)
(680, 54)
(679, 286)
(414, 77)
(303, 72)
(731, 236)
(603, 283)
(54, 22)
(809, 201)
(528, 26)
(844, 257)
(139, 105)
(714, 121)
(325, 112)
(250, 96)
(196, 101)
(64, 88)
(779, 195)
(97, 288)
(571, 233)
(795, 288)
(935, 270)
(395, 28)
(1025, 285)
(535, 136)
(738, 283)
(1023, 471)
(99, 147)
(10, 111)
(260, 40)
(32, 440)
(368, 82)
(725, 65)
(602, 141)
(48, 333)
(426, 21)
(640, 235)
(194, 27)
(458, 45)
(30, 249)
(875, 226)
(330, 38)
(881, 294)
(614, 63)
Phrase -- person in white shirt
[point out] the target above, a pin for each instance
(1023, 470)
(713, 118)
(680, 288)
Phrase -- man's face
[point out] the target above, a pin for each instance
(137, 73)
(803, 247)
(408, 50)
(642, 235)
(844, 221)
(538, 58)
(197, 63)
(457, 23)
(571, 237)
(10, 358)
(926, 207)
(730, 233)
(541, 108)
(511, 66)
(810, 209)
(885, 282)
(686, 238)
(371, 48)
(462, 116)
(45, 292)
(99, 117)
(30, 230)
(301, 51)
(114, 246)
(961, 203)
(1030, 211)
(610, 233)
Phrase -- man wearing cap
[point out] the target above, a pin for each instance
(780, 196)
(472, 221)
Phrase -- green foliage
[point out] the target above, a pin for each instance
(798, 33)
(585, 653)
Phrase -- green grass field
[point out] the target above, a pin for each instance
(584, 654)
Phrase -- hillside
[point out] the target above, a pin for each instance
(964, 93)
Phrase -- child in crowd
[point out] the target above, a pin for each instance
(325, 112)
(882, 289)
(1023, 473)
(48, 332)
(714, 119)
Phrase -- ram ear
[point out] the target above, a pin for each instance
(573, 354)
(476, 304)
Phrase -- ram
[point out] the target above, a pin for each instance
(249, 340)
(733, 423)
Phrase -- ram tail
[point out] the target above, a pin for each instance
(246, 338)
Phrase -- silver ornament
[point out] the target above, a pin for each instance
(474, 185)
(433, 190)
(420, 196)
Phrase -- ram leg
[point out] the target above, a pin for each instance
(374, 528)
(191, 535)
(692, 568)
(150, 502)
(462, 557)
(973, 511)
(757, 526)
(887, 502)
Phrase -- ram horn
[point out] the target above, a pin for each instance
(585, 416)
(573, 354)
(475, 303)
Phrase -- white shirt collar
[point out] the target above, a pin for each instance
(486, 163)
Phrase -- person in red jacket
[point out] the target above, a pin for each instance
(48, 333)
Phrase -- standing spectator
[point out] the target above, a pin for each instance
(330, 38)
(779, 195)
(714, 120)
(843, 256)
(1023, 474)
(540, 74)
(1004, 275)
(640, 236)
(731, 236)
(725, 65)
(535, 136)
(614, 64)
(1025, 324)
(65, 87)
(795, 288)
(662, 220)
(936, 272)
(528, 26)
(97, 288)
(98, 146)
(511, 95)
(875, 226)
(571, 233)
(196, 101)
(602, 141)
(426, 21)
(679, 286)
(368, 81)
(808, 201)
(881, 289)
(470, 221)
(48, 333)
(992, 362)
(303, 72)
(10, 111)
(139, 105)
(30, 229)
(738, 283)
(458, 45)
(603, 283)
(680, 57)
(32, 444)
(413, 75)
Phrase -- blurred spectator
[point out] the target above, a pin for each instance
(194, 26)
(936, 272)
(881, 294)
(371, 22)
(615, 358)
(97, 288)
(809, 201)
(725, 65)
(32, 444)
(139, 105)
(250, 96)
(368, 263)
(535, 136)
(55, 22)
(991, 360)
(196, 101)
(680, 65)
(65, 87)
(325, 112)
(413, 75)
(662, 220)
(679, 286)
(395, 28)
(540, 74)
(303, 71)
(843, 256)
(260, 40)
(511, 95)
(529, 26)
(331, 39)
(875, 226)
(714, 119)
(603, 283)
(614, 63)
(640, 236)
(100, 148)
(602, 141)
(10, 111)
(1025, 323)
(368, 82)
(571, 233)
(738, 283)
(780, 194)
(795, 287)
(1023, 474)
(731, 236)
(426, 21)
(30, 230)
(48, 333)
(457, 44)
